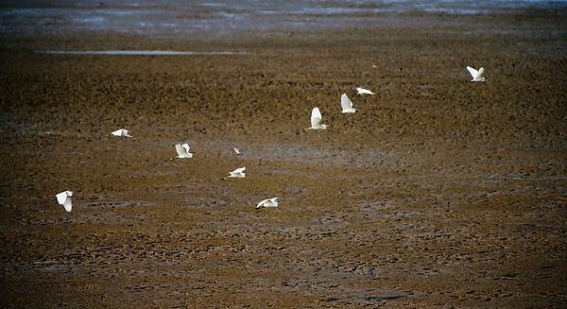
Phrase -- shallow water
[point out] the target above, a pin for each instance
(176, 18)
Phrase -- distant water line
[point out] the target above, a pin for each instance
(143, 52)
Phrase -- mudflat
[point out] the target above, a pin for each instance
(438, 192)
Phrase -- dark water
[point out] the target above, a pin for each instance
(181, 18)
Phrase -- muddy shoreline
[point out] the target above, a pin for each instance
(437, 192)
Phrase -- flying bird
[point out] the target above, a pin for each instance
(476, 75)
(270, 202)
(64, 198)
(346, 104)
(361, 91)
(121, 132)
(182, 151)
(237, 173)
(316, 120)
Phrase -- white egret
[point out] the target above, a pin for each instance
(270, 202)
(361, 91)
(346, 104)
(237, 173)
(476, 75)
(316, 120)
(121, 132)
(183, 151)
(237, 151)
(64, 198)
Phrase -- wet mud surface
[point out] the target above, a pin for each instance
(437, 192)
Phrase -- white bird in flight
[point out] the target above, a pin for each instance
(237, 173)
(270, 202)
(316, 120)
(346, 104)
(121, 132)
(182, 151)
(64, 198)
(361, 91)
(476, 75)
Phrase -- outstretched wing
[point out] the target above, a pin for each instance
(474, 73)
(61, 197)
(121, 132)
(126, 133)
(364, 91)
(346, 103)
(315, 117)
(186, 146)
(239, 170)
(270, 202)
(261, 203)
(274, 201)
(68, 204)
(64, 198)
(180, 149)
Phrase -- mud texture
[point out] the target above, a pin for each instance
(438, 192)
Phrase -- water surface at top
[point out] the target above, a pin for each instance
(177, 18)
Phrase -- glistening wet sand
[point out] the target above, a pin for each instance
(437, 192)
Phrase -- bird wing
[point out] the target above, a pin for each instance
(180, 149)
(315, 117)
(239, 170)
(346, 103)
(68, 204)
(363, 91)
(61, 197)
(186, 146)
(474, 73)
(262, 202)
(270, 202)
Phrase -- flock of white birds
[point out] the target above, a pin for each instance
(346, 105)
(184, 150)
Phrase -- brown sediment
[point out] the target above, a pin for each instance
(437, 192)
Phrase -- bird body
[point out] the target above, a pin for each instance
(183, 151)
(361, 91)
(476, 74)
(270, 202)
(237, 173)
(64, 198)
(346, 105)
(121, 132)
(316, 120)
(237, 151)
